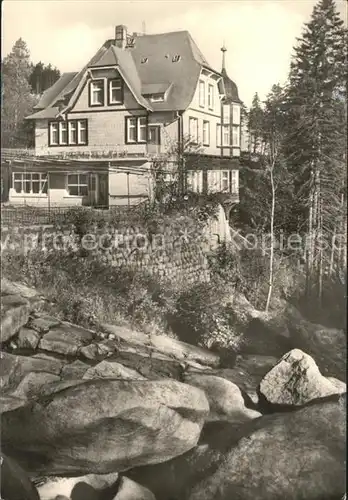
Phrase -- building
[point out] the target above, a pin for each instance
(98, 131)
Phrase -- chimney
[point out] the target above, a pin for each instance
(121, 36)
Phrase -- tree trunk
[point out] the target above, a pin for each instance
(271, 258)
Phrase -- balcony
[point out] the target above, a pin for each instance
(93, 153)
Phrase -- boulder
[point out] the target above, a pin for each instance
(74, 370)
(9, 402)
(15, 483)
(292, 455)
(14, 314)
(247, 373)
(50, 487)
(294, 381)
(163, 344)
(112, 369)
(102, 426)
(32, 383)
(129, 490)
(14, 369)
(43, 323)
(66, 339)
(28, 338)
(169, 480)
(225, 398)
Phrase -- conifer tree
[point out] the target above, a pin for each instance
(316, 132)
(17, 99)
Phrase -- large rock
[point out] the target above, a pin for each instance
(74, 370)
(296, 455)
(328, 346)
(66, 339)
(225, 398)
(247, 373)
(104, 426)
(50, 487)
(28, 339)
(129, 490)
(112, 369)
(294, 381)
(15, 483)
(165, 345)
(14, 369)
(14, 314)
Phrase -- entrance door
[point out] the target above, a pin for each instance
(154, 139)
(93, 189)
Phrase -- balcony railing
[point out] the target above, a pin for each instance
(88, 153)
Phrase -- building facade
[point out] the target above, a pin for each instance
(139, 98)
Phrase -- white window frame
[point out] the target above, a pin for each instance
(195, 181)
(201, 93)
(235, 181)
(226, 130)
(115, 84)
(236, 114)
(225, 176)
(210, 96)
(54, 129)
(141, 125)
(226, 114)
(236, 136)
(193, 136)
(218, 135)
(72, 127)
(24, 177)
(63, 127)
(79, 184)
(81, 126)
(206, 133)
(93, 91)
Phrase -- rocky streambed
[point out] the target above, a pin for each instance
(118, 414)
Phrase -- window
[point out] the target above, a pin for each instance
(116, 91)
(97, 93)
(142, 128)
(195, 181)
(176, 58)
(144, 60)
(157, 97)
(206, 133)
(218, 135)
(54, 135)
(136, 129)
(210, 96)
(78, 184)
(67, 133)
(193, 130)
(63, 133)
(225, 181)
(226, 135)
(201, 93)
(226, 113)
(234, 181)
(82, 131)
(30, 183)
(236, 136)
(236, 114)
(72, 132)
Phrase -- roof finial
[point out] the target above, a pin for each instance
(223, 50)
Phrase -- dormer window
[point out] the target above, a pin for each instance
(210, 96)
(176, 58)
(157, 98)
(116, 91)
(97, 93)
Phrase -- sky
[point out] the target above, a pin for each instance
(259, 34)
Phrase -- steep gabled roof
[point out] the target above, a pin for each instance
(170, 61)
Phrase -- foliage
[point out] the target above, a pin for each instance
(42, 77)
(17, 99)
